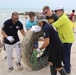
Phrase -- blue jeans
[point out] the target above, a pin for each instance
(66, 57)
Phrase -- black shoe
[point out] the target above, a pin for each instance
(12, 58)
(68, 73)
(5, 57)
(10, 69)
(19, 66)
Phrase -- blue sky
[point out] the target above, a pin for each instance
(67, 4)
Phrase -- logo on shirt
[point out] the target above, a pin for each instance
(17, 27)
(10, 27)
(44, 34)
(51, 21)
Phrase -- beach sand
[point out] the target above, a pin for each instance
(26, 70)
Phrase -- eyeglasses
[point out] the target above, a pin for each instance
(45, 12)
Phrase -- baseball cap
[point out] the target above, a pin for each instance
(58, 8)
(40, 18)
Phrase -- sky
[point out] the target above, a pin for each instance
(67, 4)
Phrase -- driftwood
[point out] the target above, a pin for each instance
(27, 47)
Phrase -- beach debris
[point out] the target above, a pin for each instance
(29, 56)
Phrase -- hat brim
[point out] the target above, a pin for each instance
(38, 21)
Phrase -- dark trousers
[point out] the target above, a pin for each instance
(36, 45)
(66, 57)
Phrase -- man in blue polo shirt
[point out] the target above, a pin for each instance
(11, 39)
(56, 48)
(31, 22)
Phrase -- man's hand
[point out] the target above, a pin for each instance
(10, 38)
(38, 50)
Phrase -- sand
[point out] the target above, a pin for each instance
(26, 70)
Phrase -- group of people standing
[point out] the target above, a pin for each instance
(58, 38)
(65, 32)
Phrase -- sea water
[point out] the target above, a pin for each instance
(5, 14)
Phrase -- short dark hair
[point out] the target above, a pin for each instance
(31, 14)
(46, 8)
(15, 13)
(73, 11)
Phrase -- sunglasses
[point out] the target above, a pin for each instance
(45, 12)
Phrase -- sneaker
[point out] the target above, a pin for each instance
(12, 58)
(19, 66)
(68, 73)
(10, 69)
(5, 57)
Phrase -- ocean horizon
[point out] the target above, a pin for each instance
(22, 10)
(5, 13)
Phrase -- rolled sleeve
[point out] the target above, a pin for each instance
(21, 26)
(4, 27)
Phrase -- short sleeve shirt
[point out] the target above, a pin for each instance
(52, 18)
(29, 24)
(52, 34)
(71, 16)
(12, 30)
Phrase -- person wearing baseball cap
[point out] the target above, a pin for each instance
(65, 31)
(58, 8)
(41, 18)
(54, 44)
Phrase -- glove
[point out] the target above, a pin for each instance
(10, 38)
(36, 28)
(38, 50)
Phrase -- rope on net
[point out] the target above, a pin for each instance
(35, 59)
